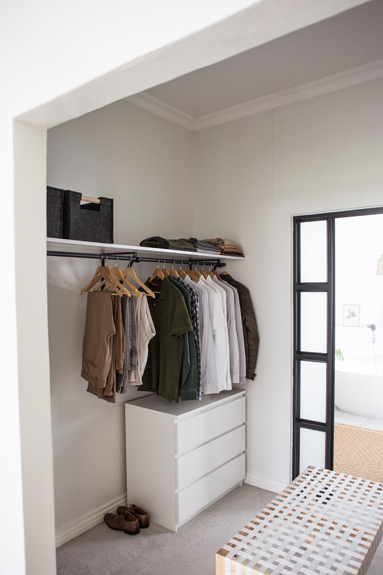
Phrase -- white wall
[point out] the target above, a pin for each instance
(10, 436)
(140, 160)
(32, 331)
(253, 175)
(145, 164)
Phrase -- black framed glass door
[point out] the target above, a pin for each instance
(314, 337)
(313, 342)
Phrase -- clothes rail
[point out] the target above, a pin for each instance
(134, 258)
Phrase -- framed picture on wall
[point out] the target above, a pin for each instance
(351, 314)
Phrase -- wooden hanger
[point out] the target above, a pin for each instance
(182, 273)
(222, 274)
(110, 281)
(120, 276)
(192, 275)
(157, 273)
(104, 277)
(214, 274)
(129, 272)
(95, 279)
(174, 273)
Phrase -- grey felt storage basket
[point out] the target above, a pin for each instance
(55, 212)
(88, 222)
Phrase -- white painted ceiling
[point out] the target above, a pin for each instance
(351, 39)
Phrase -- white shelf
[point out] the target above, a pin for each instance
(74, 246)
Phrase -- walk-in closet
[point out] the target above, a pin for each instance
(99, 454)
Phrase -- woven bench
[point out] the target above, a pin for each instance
(323, 523)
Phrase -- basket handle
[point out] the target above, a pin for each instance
(91, 200)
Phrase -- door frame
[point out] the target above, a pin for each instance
(328, 287)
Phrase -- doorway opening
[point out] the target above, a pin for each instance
(338, 318)
(358, 417)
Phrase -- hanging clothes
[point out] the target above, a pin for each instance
(189, 372)
(219, 328)
(209, 372)
(145, 332)
(194, 316)
(118, 328)
(128, 308)
(239, 331)
(171, 321)
(226, 356)
(232, 330)
(103, 345)
(249, 322)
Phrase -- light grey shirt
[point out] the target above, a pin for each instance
(240, 336)
(209, 373)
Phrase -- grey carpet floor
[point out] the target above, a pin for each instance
(190, 551)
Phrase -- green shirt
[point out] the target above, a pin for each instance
(171, 320)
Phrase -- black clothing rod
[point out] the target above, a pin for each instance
(132, 257)
(123, 256)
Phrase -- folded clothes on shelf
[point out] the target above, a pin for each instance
(163, 243)
(155, 242)
(182, 244)
(228, 247)
(204, 246)
(213, 245)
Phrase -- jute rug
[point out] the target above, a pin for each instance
(359, 452)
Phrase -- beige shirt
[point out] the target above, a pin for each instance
(145, 332)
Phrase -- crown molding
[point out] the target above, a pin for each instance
(325, 85)
(162, 109)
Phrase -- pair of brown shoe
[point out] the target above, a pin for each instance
(129, 519)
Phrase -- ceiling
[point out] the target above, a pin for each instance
(352, 39)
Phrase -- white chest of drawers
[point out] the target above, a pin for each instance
(183, 457)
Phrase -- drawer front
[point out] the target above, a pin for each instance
(197, 496)
(206, 426)
(204, 459)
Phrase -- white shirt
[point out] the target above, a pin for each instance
(232, 331)
(219, 326)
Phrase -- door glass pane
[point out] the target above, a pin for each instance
(359, 346)
(314, 322)
(313, 391)
(314, 251)
(312, 448)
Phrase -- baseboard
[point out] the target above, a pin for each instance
(264, 482)
(87, 521)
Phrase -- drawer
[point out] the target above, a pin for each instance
(210, 424)
(209, 488)
(204, 459)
